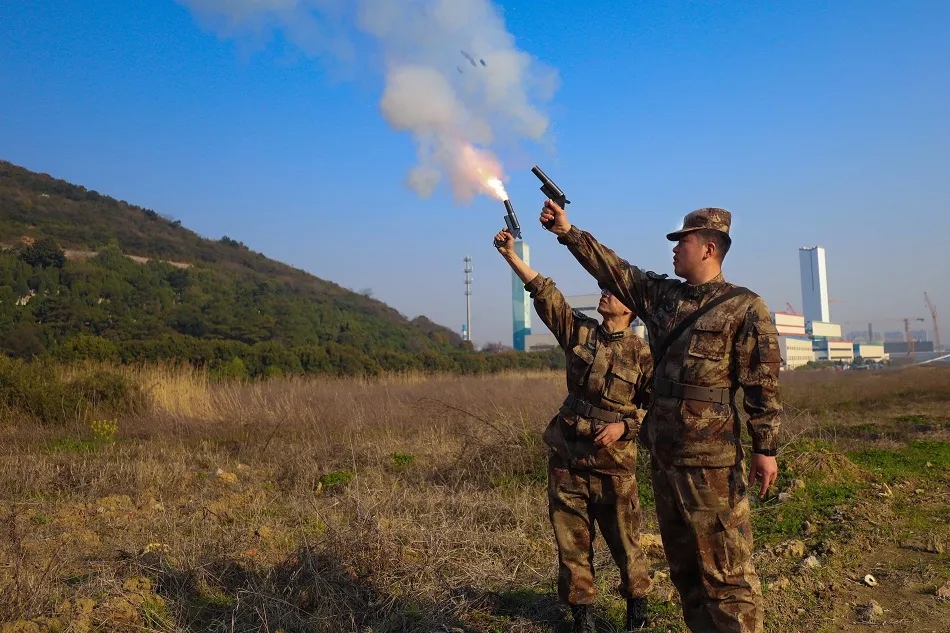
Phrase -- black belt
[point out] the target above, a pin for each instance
(587, 410)
(717, 395)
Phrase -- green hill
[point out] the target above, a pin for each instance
(83, 275)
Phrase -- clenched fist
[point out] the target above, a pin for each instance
(554, 218)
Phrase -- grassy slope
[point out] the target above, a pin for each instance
(34, 205)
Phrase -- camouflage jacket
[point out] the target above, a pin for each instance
(733, 345)
(609, 371)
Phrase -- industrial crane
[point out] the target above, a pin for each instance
(910, 339)
(933, 315)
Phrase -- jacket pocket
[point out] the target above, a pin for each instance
(581, 361)
(709, 341)
(620, 385)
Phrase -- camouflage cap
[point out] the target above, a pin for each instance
(712, 218)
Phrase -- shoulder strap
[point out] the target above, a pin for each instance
(661, 350)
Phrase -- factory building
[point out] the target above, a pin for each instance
(895, 348)
(789, 324)
(823, 330)
(796, 351)
(833, 350)
(870, 351)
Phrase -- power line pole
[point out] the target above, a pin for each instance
(468, 297)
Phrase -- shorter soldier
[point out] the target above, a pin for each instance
(592, 444)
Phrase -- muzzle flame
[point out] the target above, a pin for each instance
(485, 170)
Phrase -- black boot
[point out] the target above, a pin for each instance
(583, 619)
(637, 614)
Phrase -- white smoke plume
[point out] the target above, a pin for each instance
(454, 78)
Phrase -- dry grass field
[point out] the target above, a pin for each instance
(418, 504)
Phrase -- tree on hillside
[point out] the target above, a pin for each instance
(44, 253)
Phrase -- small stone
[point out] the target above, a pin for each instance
(792, 549)
(226, 477)
(935, 544)
(784, 497)
(870, 581)
(919, 491)
(870, 612)
(944, 592)
(780, 583)
(811, 563)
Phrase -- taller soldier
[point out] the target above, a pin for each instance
(709, 338)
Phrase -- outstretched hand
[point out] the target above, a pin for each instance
(504, 242)
(554, 218)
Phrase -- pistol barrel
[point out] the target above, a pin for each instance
(548, 187)
(512, 220)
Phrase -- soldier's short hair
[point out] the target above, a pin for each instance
(720, 239)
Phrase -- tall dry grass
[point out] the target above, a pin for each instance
(405, 503)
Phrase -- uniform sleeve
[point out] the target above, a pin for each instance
(551, 306)
(643, 395)
(634, 287)
(757, 362)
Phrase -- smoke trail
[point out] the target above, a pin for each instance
(454, 78)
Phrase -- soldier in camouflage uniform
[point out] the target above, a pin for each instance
(592, 443)
(692, 428)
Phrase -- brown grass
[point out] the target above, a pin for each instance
(406, 503)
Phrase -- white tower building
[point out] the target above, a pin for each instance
(814, 284)
(521, 305)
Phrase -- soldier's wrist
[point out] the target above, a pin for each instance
(568, 236)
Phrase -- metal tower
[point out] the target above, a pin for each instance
(468, 298)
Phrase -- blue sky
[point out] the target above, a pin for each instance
(814, 122)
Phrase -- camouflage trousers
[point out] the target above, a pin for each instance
(576, 500)
(704, 523)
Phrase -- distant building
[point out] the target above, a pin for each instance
(789, 324)
(870, 351)
(896, 348)
(833, 350)
(917, 335)
(814, 284)
(521, 306)
(796, 351)
(823, 330)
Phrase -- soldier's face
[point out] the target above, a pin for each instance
(688, 254)
(610, 306)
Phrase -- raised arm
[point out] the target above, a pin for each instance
(634, 287)
(549, 302)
